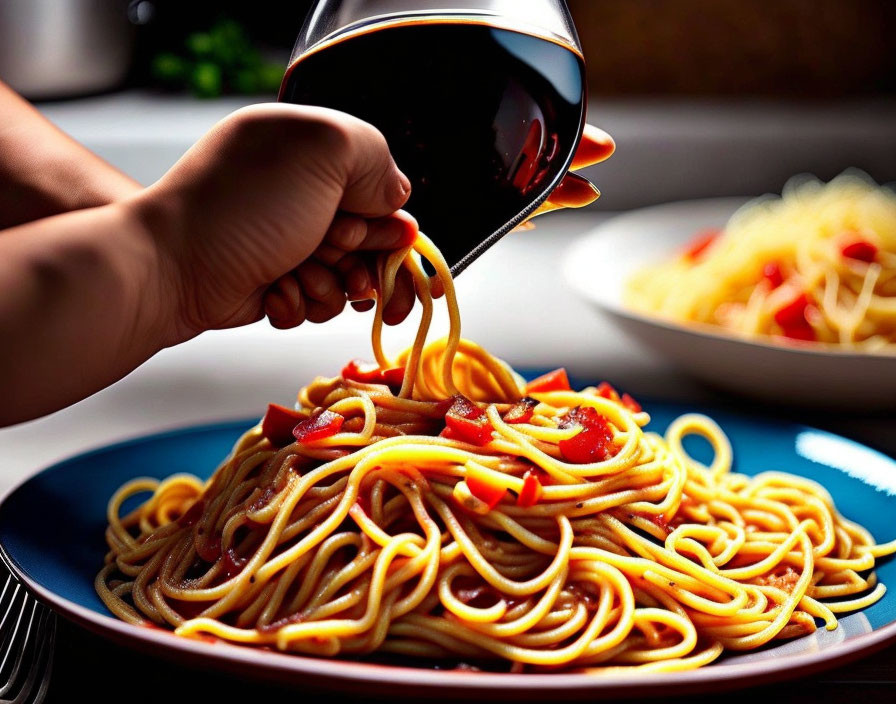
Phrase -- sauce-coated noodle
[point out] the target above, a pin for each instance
(564, 536)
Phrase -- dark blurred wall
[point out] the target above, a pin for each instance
(805, 48)
(811, 48)
(272, 24)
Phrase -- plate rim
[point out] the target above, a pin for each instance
(352, 674)
(572, 264)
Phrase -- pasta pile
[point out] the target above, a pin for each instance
(816, 265)
(437, 506)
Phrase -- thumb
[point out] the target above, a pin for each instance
(374, 185)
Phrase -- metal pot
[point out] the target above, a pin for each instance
(64, 48)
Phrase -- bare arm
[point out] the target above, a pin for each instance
(44, 172)
(266, 215)
(82, 305)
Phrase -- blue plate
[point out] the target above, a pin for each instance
(52, 525)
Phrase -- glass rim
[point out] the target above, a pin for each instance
(413, 17)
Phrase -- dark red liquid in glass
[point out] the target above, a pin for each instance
(482, 120)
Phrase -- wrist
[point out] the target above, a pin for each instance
(155, 223)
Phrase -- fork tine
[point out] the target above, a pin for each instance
(33, 688)
(45, 659)
(27, 642)
(10, 636)
(22, 644)
(10, 582)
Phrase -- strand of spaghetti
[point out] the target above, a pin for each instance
(387, 536)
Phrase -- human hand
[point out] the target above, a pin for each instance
(574, 191)
(278, 211)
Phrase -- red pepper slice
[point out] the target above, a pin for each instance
(323, 425)
(360, 371)
(521, 411)
(467, 422)
(530, 494)
(364, 373)
(793, 314)
(772, 273)
(487, 493)
(394, 377)
(606, 390)
(594, 443)
(860, 249)
(701, 242)
(556, 380)
(803, 332)
(278, 424)
(631, 404)
(793, 319)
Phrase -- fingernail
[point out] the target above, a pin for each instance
(402, 191)
(403, 230)
(359, 285)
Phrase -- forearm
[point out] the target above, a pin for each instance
(44, 172)
(85, 300)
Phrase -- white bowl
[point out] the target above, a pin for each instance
(598, 265)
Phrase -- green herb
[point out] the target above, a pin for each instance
(218, 61)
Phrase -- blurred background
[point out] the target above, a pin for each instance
(729, 97)
(704, 98)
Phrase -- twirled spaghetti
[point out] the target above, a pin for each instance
(816, 265)
(442, 512)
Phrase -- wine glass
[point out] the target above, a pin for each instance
(482, 103)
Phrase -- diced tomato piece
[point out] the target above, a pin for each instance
(358, 370)
(631, 404)
(799, 332)
(585, 416)
(594, 443)
(606, 390)
(793, 314)
(462, 407)
(521, 411)
(772, 273)
(488, 493)
(278, 424)
(860, 249)
(556, 380)
(467, 422)
(701, 242)
(323, 425)
(530, 494)
(394, 376)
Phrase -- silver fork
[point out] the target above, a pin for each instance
(27, 642)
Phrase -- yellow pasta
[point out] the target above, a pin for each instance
(816, 265)
(451, 515)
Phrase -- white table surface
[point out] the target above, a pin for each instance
(513, 301)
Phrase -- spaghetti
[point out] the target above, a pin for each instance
(817, 265)
(439, 507)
